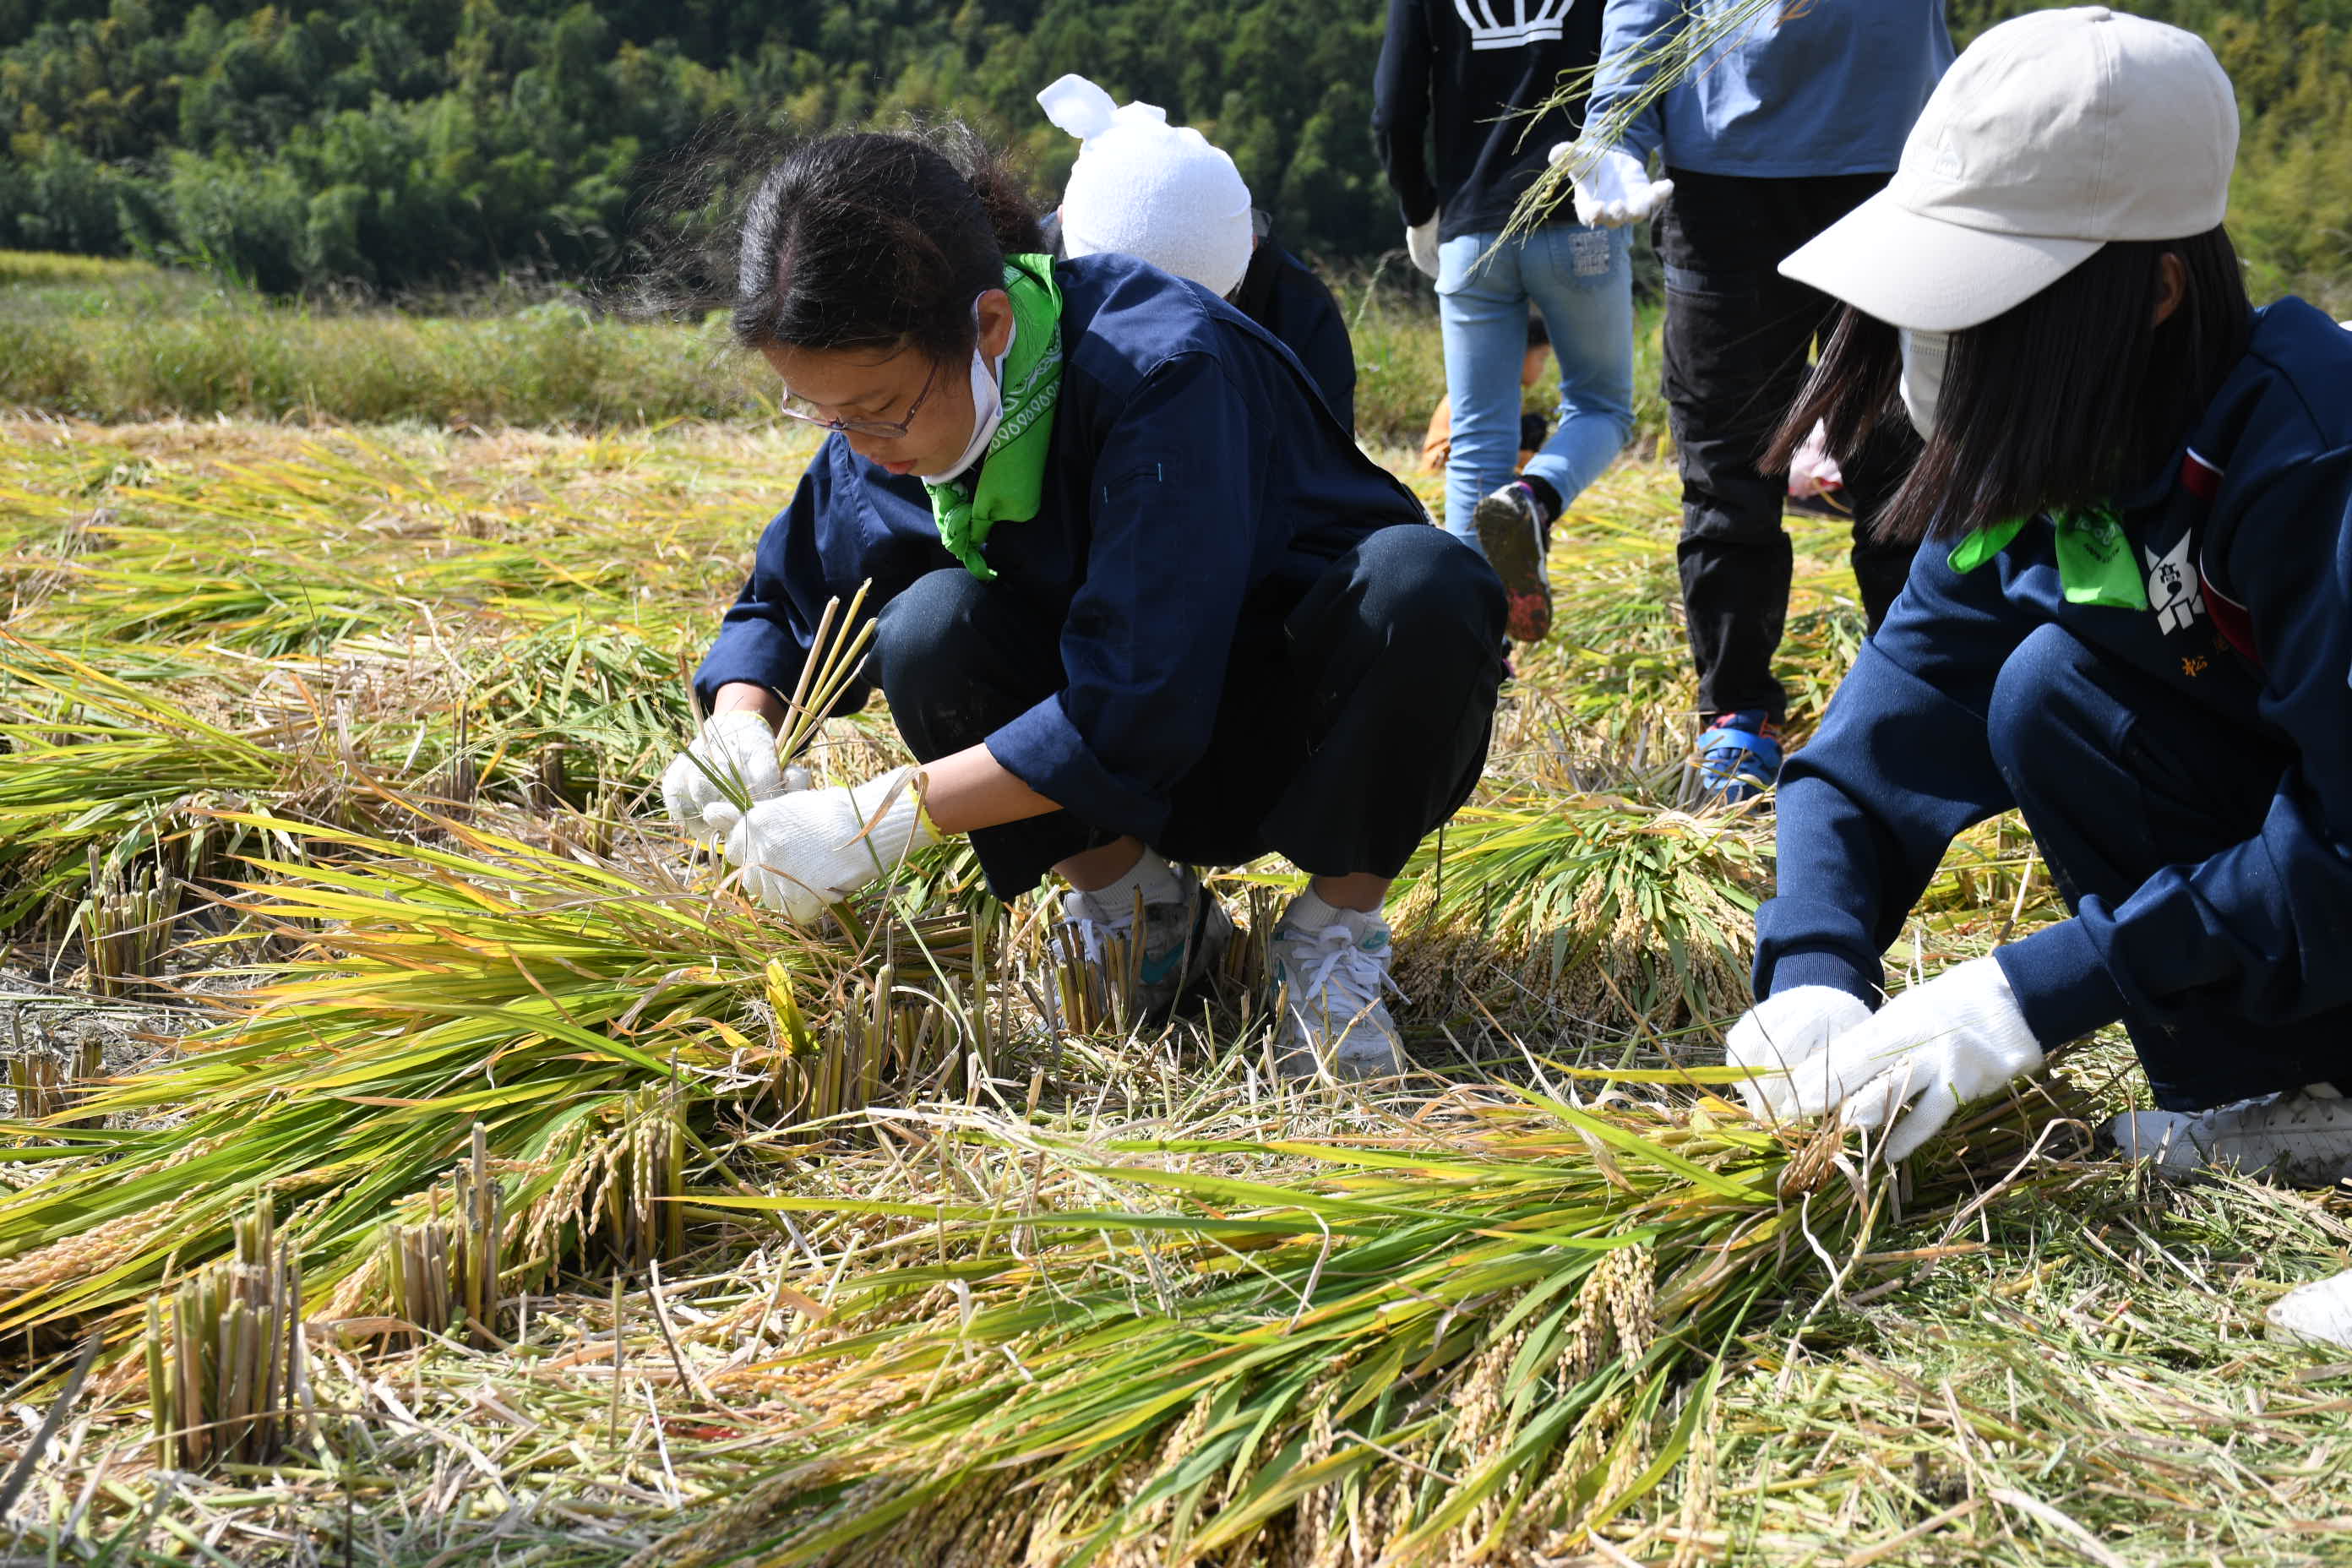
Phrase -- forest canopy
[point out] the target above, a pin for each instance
(403, 144)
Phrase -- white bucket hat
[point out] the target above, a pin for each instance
(2050, 135)
(1151, 189)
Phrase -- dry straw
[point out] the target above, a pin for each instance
(1466, 1343)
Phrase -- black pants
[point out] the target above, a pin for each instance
(2119, 777)
(1738, 338)
(1346, 730)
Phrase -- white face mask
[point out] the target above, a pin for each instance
(987, 406)
(1924, 355)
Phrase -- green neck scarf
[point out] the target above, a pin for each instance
(1011, 473)
(2095, 557)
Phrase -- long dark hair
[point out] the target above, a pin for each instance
(2063, 401)
(867, 239)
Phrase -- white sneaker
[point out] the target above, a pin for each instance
(1333, 1020)
(2319, 1313)
(1184, 942)
(2302, 1137)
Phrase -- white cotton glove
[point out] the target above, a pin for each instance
(1614, 190)
(1783, 1030)
(1959, 1037)
(802, 851)
(1421, 244)
(738, 748)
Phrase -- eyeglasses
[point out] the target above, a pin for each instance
(887, 429)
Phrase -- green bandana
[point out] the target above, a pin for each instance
(1012, 481)
(2094, 558)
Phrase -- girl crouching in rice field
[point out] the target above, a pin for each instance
(1159, 612)
(2133, 624)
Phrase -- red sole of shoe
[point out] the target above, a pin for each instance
(1514, 552)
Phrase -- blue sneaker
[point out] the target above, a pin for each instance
(1738, 757)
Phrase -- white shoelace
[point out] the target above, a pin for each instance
(1347, 979)
(1095, 933)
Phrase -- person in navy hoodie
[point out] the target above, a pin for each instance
(1158, 612)
(2131, 621)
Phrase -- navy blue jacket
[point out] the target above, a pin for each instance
(1282, 294)
(1196, 487)
(1464, 79)
(1902, 763)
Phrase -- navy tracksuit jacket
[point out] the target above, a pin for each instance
(1197, 488)
(2187, 768)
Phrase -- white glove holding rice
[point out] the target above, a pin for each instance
(1782, 1031)
(802, 851)
(1959, 1037)
(733, 751)
(1614, 189)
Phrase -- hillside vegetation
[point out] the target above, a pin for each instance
(410, 142)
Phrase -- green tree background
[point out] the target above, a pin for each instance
(411, 144)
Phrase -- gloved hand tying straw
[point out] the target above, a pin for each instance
(732, 758)
(802, 851)
(1935, 1048)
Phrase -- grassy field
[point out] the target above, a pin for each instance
(324, 843)
(123, 339)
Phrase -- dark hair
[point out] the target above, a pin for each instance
(2063, 401)
(863, 239)
(877, 240)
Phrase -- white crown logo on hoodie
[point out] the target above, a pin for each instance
(1513, 23)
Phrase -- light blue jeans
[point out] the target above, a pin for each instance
(1582, 280)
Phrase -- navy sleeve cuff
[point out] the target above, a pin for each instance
(1833, 970)
(1045, 750)
(755, 649)
(2061, 983)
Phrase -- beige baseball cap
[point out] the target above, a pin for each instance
(2050, 135)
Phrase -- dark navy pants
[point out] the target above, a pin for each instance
(1348, 728)
(1738, 340)
(2118, 775)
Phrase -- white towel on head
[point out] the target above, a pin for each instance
(1148, 188)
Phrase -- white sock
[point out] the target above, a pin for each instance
(1311, 911)
(1150, 875)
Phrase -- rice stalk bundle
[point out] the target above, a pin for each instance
(559, 1002)
(272, 604)
(1617, 648)
(50, 1087)
(1470, 1345)
(1623, 913)
(103, 772)
(226, 1379)
(608, 694)
(125, 922)
(285, 554)
(448, 1271)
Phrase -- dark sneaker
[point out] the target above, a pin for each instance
(1184, 942)
(1738, 757)
(1516, 537)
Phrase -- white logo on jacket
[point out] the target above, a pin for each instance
(2172, 588)
(1513, 23)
